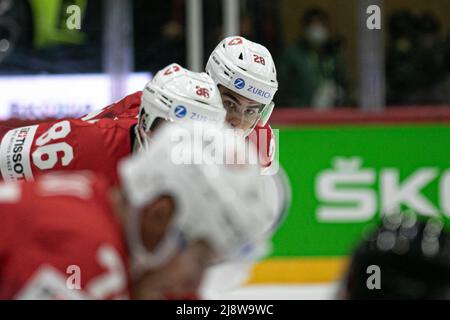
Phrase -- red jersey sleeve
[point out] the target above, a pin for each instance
(65, 145)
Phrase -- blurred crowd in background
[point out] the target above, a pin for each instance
(312, 42)
(417, 59)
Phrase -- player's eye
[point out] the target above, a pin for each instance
(250, 112)
(229, 105)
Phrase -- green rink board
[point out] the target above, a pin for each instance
(344, 177)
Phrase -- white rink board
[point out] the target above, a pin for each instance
(325, 291)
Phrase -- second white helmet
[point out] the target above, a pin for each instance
(176, 94)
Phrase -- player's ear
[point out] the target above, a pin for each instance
(155, 221)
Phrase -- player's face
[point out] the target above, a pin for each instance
(242, 113)
(180, 278)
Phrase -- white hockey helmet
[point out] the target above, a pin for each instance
(176, 94)
(246, 68)
(226, 205)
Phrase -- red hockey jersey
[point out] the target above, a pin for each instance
(61, 240)
(65, 145)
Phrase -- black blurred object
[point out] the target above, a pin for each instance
(15, 26)
(415, 65)
(447, 55)
(428, 23)
(413, 257)
(402, 24)
(431, 53)
(313, 14)
(159, 34)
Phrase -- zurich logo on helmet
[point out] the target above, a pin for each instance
(180, 111)
(239, 83)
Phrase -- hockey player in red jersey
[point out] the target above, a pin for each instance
(175, 94)
(77, 240)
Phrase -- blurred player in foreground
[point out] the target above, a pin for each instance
(176, 218)
(98, 145)
(411, 257)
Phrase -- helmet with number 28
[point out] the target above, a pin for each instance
(246, 68)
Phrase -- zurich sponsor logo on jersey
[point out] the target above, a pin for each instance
(239, 83)
(180, 112)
